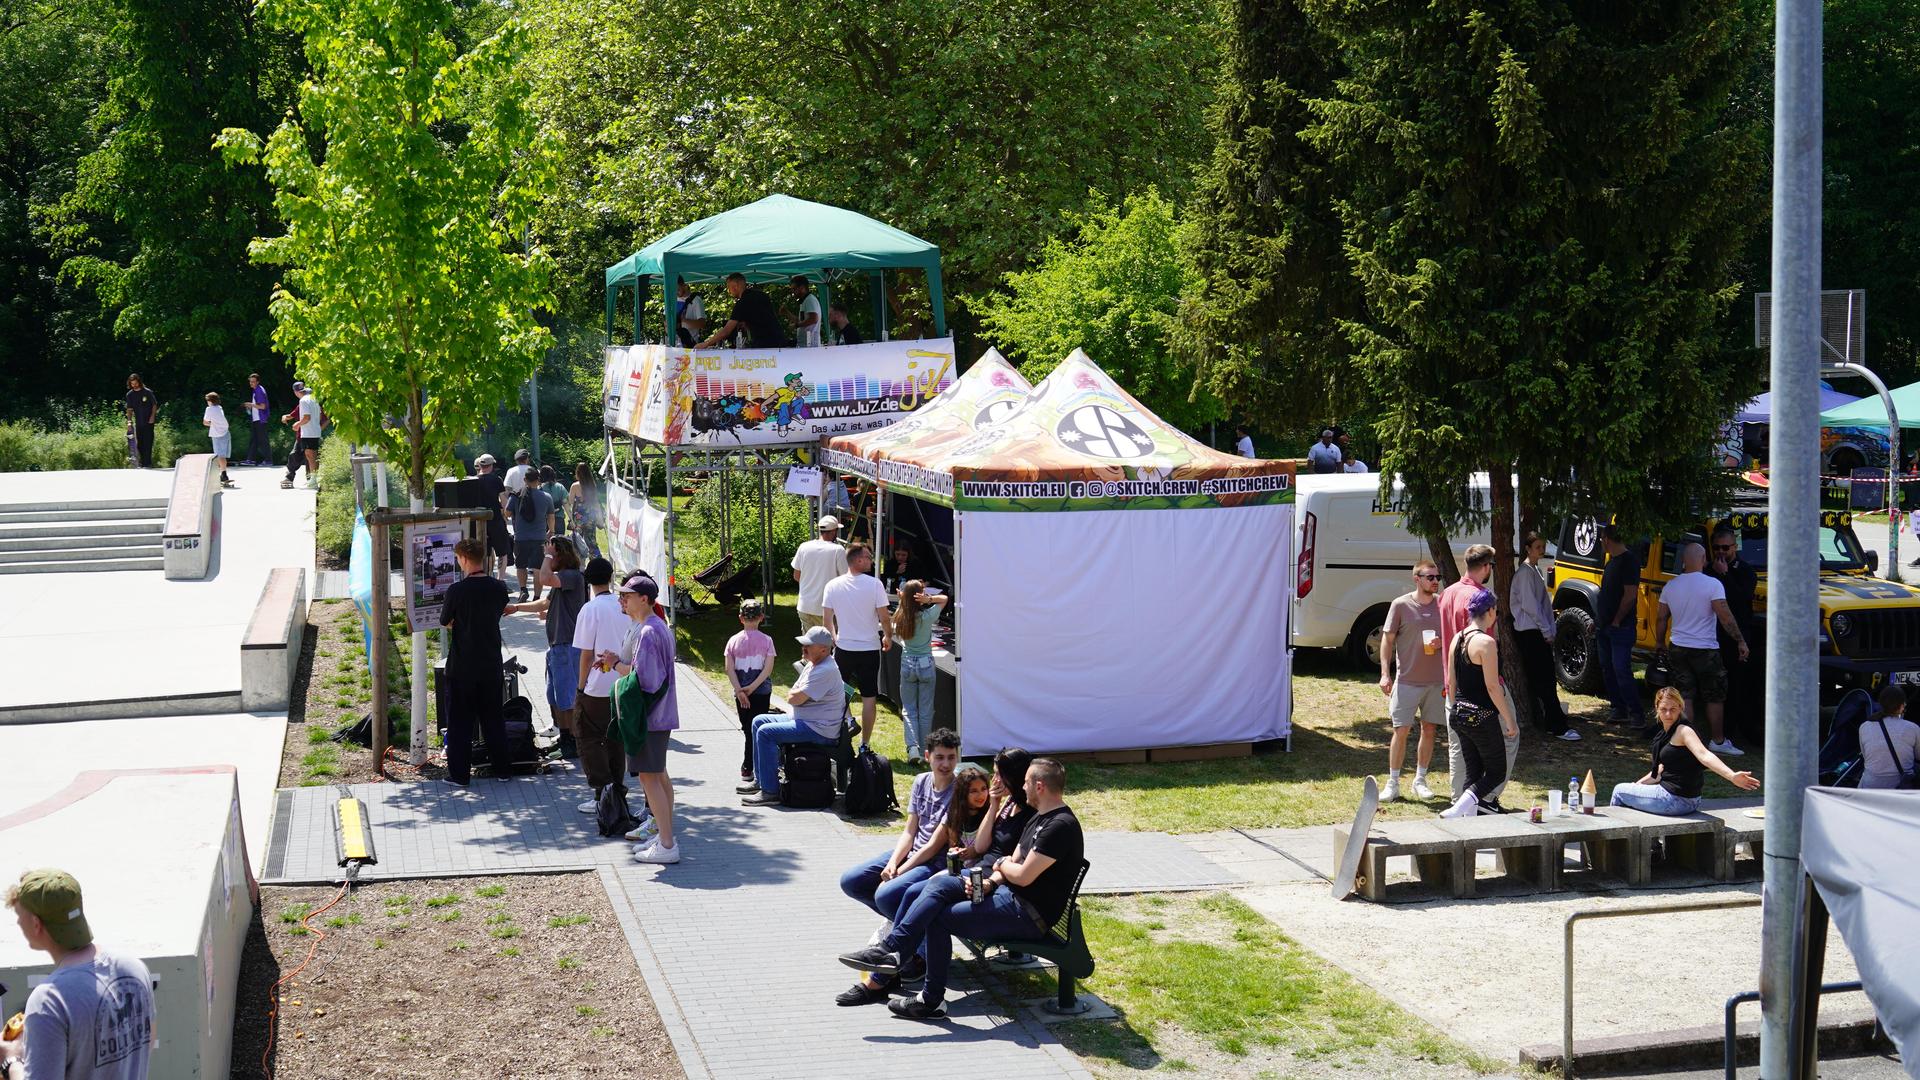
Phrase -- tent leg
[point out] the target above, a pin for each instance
(673, 594)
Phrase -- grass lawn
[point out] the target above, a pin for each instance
(1205, 985)
(1340, 735)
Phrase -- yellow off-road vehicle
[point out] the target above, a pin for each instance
(1869, 627)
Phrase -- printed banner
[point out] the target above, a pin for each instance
(765, 397)
(431, 571)
(637, 536)
(360, 571)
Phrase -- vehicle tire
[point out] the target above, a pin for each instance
(1363, 641)
(1576, 651)
(1844, 461)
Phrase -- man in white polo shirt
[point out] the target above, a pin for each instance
(814, 564)
(856, 612)
(1691, 603)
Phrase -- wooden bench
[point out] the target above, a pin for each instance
(270, 648)
(1065, 945)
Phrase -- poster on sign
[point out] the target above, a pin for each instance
(431, 570)
(769, 397)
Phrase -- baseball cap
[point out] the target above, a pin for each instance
(751, 609)
(53, 896)
(298, 386)
(816, 635)
(486, 459)
(829, 522)
(639, 582)
(522, 455)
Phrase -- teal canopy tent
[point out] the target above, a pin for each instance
(773, 240)
(1871, 412)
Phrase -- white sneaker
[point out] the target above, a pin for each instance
(1392, 793)
(1468, 805)
(591, 806)
(1569, 735)
(1420, 789)
(1725, 748)
(644, 832)
(654, 853)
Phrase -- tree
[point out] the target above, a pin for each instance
(932, 116)
(153, 225)
(1113, 289)
(1262, 319)
(405, 301)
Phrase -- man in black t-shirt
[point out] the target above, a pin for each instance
(1038, 882)
(1616, 612)
(493, 495)
(471, 612)
(1740, 582)
(752, 312)
(844, 332)
(143, 411)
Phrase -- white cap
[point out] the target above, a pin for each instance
(829, 522)
(485, 459)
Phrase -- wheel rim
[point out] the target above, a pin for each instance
(1570, 651)
(1373, 640)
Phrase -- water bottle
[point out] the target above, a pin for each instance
(1573, 795)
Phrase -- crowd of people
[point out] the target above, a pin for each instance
(308, 420)
(756, 323)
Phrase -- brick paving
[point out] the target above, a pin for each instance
(737, 940)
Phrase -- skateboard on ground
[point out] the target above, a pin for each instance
(1344, 875)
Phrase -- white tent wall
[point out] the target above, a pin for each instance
(1124, 629)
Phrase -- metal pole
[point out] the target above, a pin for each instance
(422, 672)
(1793, 503)
(1893, 461)
(673, 511)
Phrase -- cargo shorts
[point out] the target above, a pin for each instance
(1698, 673)
(1429, 702)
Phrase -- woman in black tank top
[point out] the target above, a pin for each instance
(1681, 762)
(1479, 714)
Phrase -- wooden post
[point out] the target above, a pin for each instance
(382, 615)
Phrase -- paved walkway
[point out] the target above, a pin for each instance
(737, 940)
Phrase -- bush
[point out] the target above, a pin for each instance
(84, 440)
(333, 524)
(697, 531)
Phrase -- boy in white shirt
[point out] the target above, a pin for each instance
(215, 421)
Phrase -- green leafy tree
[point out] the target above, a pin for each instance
(153, 225)
(406, 299)
(1113, 289)
(930, 115)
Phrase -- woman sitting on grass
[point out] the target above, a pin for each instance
(1680, 762)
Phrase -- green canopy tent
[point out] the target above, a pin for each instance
(1871, 412)
(773, 240)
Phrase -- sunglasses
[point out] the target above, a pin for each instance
(1428, 577)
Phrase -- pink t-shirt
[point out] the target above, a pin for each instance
(1453, 619)
(750, 651)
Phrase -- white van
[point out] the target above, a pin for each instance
(1355, 556)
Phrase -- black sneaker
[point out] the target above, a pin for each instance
(912, 1008)
(872, 958)
(861, 994)
(912, 970)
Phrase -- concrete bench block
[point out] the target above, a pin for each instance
(270, 649)
(187, 539)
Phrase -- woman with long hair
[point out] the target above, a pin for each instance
(1533, 629)
(566, 586)
(1480, 714)
(1681, 761)
(913, 623)
(966, 809)
(532, 514)
(583, 510)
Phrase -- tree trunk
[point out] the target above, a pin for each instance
(1440, 549)
(1500, 493)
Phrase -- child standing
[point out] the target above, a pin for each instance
(750, 673)
(913, 624)
(215, 421)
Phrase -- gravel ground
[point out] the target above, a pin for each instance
(475, 977)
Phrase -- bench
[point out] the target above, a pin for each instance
(270, 648)
(187, 539)
(1066, 946)
(1615, 841)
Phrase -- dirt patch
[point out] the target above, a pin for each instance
(506, 976)
(333, 689)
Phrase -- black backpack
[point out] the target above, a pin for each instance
(870, 786)
(611, 812)
(806, 776)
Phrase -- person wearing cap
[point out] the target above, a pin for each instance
(856, 612)
(601, 626)
(530, 510)
(750, 673)
(308, 420)
(647, 652)
(819, 701)
(92, 1018)
(1479, 712)
(492, 494)
(815, 563)
(471, 612)
(517, 476)
(1324, 456)
(806, 325)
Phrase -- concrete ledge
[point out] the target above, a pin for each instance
(123, 708)
(188, 536)
(1635, 1055)
(270, 649)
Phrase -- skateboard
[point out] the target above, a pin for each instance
(1344, 876)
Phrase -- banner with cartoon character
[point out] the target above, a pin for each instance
(763, 397)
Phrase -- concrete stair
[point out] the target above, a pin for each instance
(82, 537)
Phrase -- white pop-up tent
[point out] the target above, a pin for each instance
(1118, 585)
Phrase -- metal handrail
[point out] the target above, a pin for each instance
(1730, 1051)
(1566, 1001)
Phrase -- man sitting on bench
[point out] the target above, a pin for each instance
(1039, 876)
(819, 701)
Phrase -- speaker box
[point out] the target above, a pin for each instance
(454, 492)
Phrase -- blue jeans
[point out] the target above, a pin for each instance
(884, 897)
(1616, 671)
(771, 731)
(998, 916)
(933, 895)
(1654, 799)
(917, 678)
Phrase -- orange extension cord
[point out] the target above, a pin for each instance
(273, 995)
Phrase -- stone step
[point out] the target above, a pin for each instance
(85, 504)
(89, 566)
(91, 540)
(83, 554)
(15, 515)
(33, 530)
